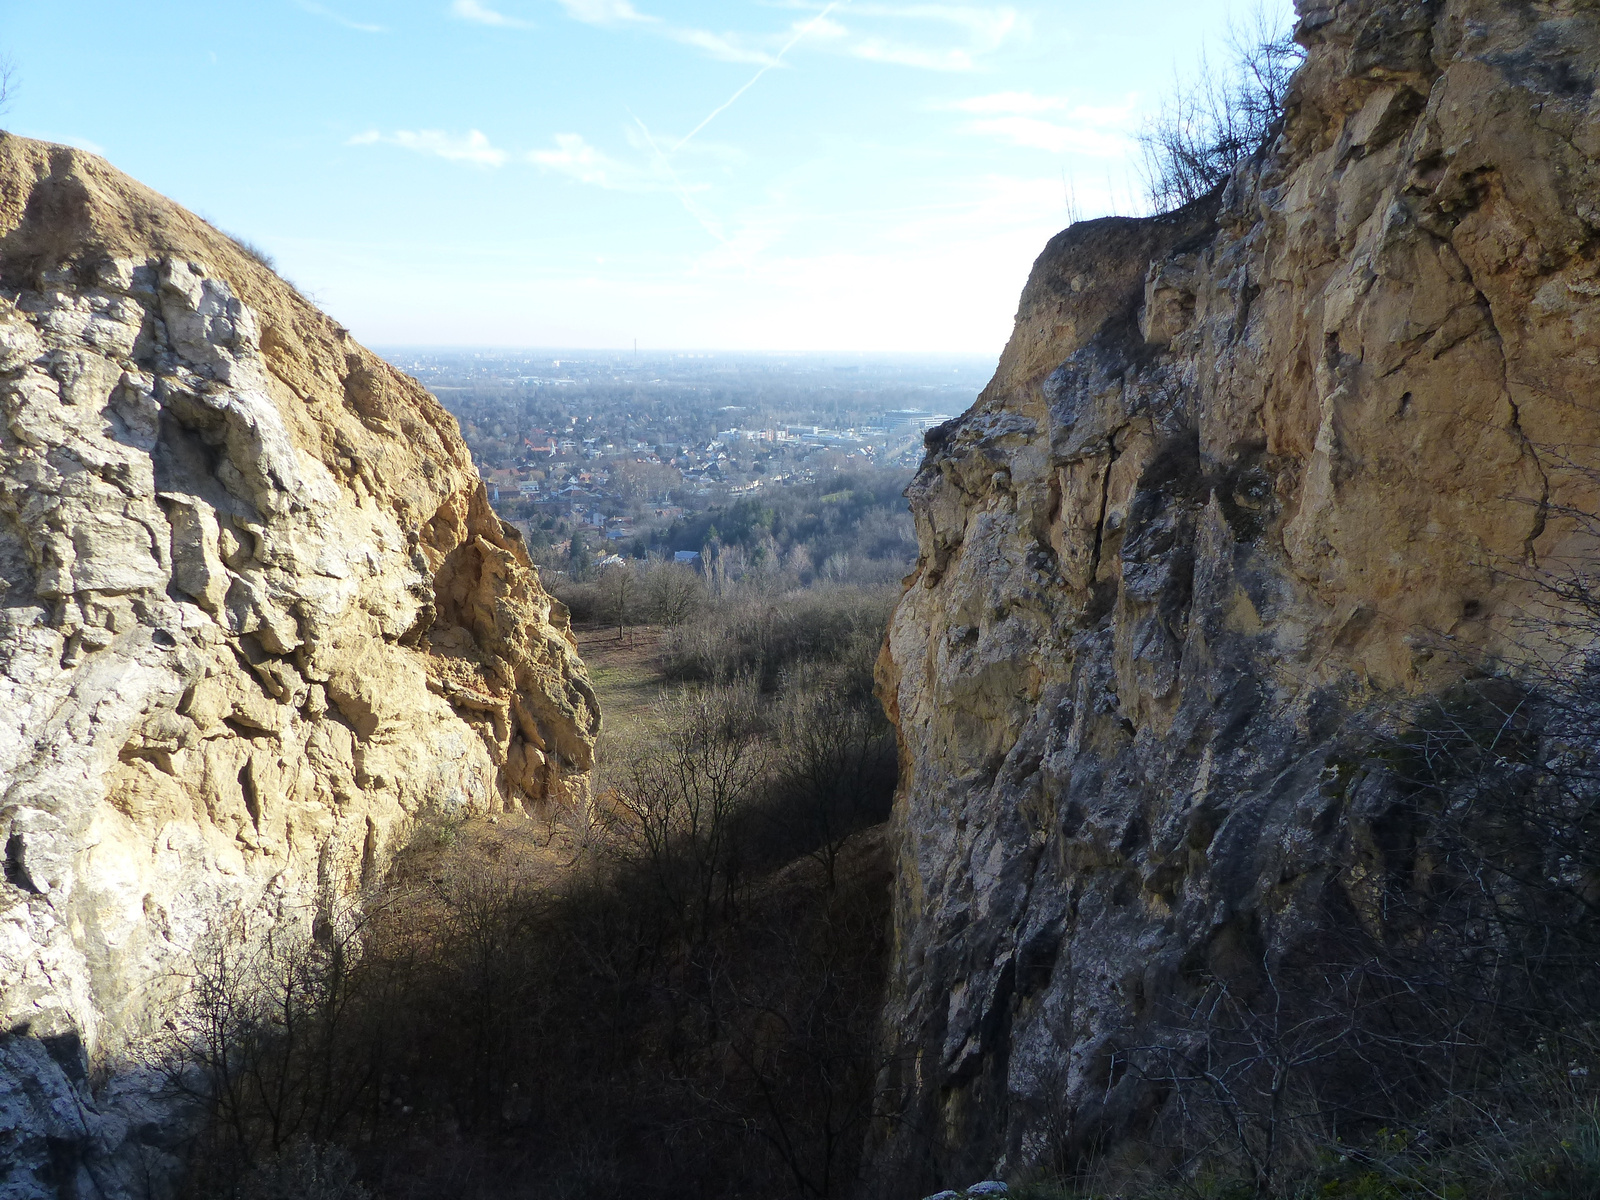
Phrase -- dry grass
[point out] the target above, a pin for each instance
(624, 672)
(542, 850)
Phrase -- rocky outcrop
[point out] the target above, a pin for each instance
(256, 616)
(1244, 469)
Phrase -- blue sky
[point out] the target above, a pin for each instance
(731, 174)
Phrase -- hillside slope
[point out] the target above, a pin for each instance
(256, 616)
(1246, 469)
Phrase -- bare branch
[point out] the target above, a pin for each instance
(1207, 127)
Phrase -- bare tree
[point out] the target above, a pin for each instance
(8, 81)
(680, 800)
(305, 1171)
(674, 592)
(837, 760)
(267, 1042)
(619, 589)
(1208, 126)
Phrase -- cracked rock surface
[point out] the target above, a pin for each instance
(256, 616)
(1242, 470)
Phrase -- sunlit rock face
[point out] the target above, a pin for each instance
(256, 616)
(1243, 471)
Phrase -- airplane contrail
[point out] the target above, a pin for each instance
(726, 104)
(710, 224)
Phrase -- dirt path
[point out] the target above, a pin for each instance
(624, 675)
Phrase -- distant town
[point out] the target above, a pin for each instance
(598, 455)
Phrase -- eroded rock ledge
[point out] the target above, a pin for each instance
(1243, 470)
(256, 615)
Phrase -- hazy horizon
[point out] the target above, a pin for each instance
(833, 175)
(384, 348)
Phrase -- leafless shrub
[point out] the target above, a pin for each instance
(267, 1042)
(583, 599)
(9, 82)
(619, 593)
(679, 803)
(637, 593)
(688, 1008)
(305, 1171)
(1207, 126)
(836, 772)
(763, 636)
(253, 252)
(673, 592)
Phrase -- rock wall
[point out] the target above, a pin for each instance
(1243, 470)
(256, 615)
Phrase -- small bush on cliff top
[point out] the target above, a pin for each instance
(1208, 126)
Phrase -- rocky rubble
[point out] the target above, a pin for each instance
(256, 617)
(1244, 470)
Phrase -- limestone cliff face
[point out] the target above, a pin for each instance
(256, 615)
(1243, 469)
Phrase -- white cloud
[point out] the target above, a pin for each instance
(985, 28)
(880, 50)
(471, 10)
(473, 148)
(995, 21)
(723, 47)
(575, 158)
(605, 12)
(319, 10)
(938, 275)
(1101, 131)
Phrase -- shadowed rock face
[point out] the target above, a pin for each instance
(1242, 469)
(256, 615)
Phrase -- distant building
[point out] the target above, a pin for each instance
(912, 420)
(686, 556)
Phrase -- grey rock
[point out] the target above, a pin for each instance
(1244, 470)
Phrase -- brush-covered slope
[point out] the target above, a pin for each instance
(256, 615)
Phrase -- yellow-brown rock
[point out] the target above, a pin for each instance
(256, 616)
(1244, 470)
